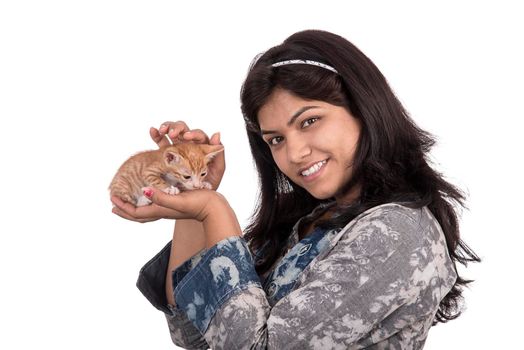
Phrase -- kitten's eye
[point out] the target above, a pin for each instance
(187, 177)
(309, 121)
(203, 174)
(275, 140)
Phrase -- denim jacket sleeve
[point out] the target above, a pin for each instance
(378, 286)
(151, 282)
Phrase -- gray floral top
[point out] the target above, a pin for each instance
(376, 283)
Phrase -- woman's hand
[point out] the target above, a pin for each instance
(209, 207)
(193, 204)
(176, 132)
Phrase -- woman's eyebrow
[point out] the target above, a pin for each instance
(291, 120)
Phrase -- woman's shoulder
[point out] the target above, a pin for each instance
(396, 220)
(395, 212)
(397, 232)
(394, 209)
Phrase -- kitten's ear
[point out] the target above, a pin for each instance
(212, 151)
(171, 157)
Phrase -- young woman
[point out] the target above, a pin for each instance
(355, 238)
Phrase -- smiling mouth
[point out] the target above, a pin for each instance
(313, 169)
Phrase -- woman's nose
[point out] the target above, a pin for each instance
(297, 149)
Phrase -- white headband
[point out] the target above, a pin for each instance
(313, 63)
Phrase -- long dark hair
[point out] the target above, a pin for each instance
(390, 165)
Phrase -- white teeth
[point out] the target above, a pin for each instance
(313, 169)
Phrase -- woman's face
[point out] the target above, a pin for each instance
(312, 142)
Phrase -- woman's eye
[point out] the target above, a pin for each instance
(187, 177)
(274, 140)
(309, 121)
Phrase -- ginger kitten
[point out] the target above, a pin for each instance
(171, 169)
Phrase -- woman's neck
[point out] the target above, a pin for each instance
(350, 196)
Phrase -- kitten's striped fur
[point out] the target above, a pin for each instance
(172, 169)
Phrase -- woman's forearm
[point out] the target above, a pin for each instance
(191, 236)
(221, 221)
(188, 239)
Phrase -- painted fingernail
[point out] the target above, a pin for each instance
(148, 192)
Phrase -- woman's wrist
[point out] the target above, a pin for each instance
(220, 221)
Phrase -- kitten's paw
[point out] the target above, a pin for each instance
(207, 185)
(171, 190)
(143, 201)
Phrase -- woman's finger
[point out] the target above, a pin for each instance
(174, 130)
(160, 140)
(175, 134)
(162, 199)
(179, 206)
(117, 202)
(122, 205)
(196, 135)
(126, 216)
(139, 214)
(122, 214)
(165, 127)
(127, 210)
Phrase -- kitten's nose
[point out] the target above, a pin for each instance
(197, 184)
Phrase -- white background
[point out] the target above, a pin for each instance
(81, 82)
